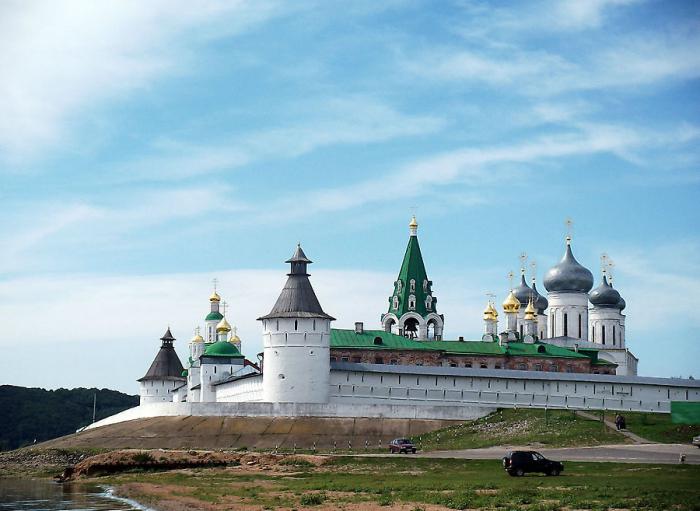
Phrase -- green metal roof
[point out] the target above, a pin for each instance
(222, 349)
(412, 268)
(389, 341)
(214, 316)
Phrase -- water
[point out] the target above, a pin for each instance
(42, 495)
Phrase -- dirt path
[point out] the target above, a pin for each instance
(635, 438)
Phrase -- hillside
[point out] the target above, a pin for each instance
(31, 414)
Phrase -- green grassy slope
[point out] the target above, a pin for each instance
(555, 428)
(657, 427)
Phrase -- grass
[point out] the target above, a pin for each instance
(455, 484)
(552, 428)
(657, 427)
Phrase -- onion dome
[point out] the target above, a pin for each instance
(530, 311)
(234, 337)
(605, 295)
(511, 303)
(568, 275)
(197, 338)
(621, 304)
(223, 326)
(490, 312)
(539, 300)
(523, 292)
(214, 297)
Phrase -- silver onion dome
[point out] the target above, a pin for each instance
(523, 292)
(605, 295)
(540, 301)
(568, 275)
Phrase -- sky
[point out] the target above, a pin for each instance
(147, 148)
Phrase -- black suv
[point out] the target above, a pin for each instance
(402, 445)
(519, 463)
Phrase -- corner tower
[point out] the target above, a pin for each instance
(296, 341)
(412, 306)
(164, 375)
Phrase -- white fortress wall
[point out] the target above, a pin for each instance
(241, 390)
(423, 385)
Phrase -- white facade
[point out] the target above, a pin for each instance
(607, 327)
(568, 315)
(296, 363)
(157, 391)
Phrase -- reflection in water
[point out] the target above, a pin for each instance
(42, 495)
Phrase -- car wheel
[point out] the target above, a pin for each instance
(519, 472)
(554, 472)
(413, 451)
(511, 473)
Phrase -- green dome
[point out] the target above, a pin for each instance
(222, 349)
(214, 316)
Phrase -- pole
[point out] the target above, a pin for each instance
(94, 406)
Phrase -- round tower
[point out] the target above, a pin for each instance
(568, 284)
(165, 374)
(296, 341)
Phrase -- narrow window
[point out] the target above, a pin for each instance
(314, 325)
(566, 324)
(579, 326)
(296, 324)
(614, 337)
(521, 330)
(603, 334)
(593, 332)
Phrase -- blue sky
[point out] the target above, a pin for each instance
(146, 148)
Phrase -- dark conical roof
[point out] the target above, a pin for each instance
(297, 299)
(568, 275)
(166, 365)
(605, 295)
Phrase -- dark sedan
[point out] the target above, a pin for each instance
(519, 463)
(401, 445)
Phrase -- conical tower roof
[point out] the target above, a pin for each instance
(412, 269)
(297, 299)
(166, 365)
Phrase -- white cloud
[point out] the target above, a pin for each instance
(59, 58)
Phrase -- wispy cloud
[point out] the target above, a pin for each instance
(57, 59)
(325, 122)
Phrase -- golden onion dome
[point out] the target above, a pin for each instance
(530, 311)
(234, 336)
(197, 338)
(223, 326)
(413, 223)
(511, 303)
(214, 297)
(490, 312)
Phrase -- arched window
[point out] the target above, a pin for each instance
(413, 286)
(395, 304)
(614, 337)
(314, 324)
(296, 324)
(428, 302)
(399, 285)
(425, 285)
(566, 324)
(411, 301)
(593, 332)
(603, 334)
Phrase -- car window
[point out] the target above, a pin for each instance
(534, 456)
(538, 456)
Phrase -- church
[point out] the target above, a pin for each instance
(563, 350)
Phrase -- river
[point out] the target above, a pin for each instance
(44, 495)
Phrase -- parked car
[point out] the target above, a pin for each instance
(696, 441)
(519, 463)
(401, 445)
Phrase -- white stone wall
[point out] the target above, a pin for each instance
(296, 360)
(245, 389)
(157, 391)
(542, 331)
(573, 305)
(475, 387)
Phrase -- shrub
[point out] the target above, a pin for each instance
(312, 499)
(143, 457)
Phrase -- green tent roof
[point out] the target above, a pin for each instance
(214, 316)
(222, 349)
(412, 269)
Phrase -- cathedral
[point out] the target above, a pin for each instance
(574, 329)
